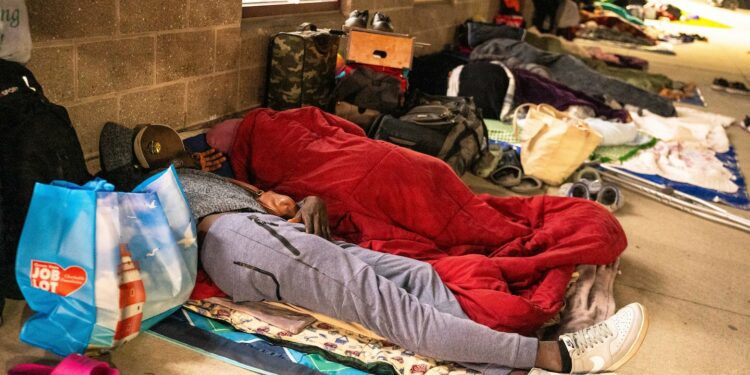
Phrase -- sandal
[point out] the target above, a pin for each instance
(507, 176)
(591, 177)
(528, 185)
(588, 185)
(73, 364)
(610, 197)
(488, 162)
(574, 190)
(509, 172)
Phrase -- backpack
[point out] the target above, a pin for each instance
(449, 128)
(430, 73)
(301, 68)
(368, 89)
(38, 144)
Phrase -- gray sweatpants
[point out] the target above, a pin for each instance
(256, 257)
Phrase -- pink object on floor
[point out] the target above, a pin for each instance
(74, 364)
(221, 136)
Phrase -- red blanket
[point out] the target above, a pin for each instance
(508, 260)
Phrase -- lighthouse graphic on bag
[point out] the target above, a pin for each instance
(132, 298)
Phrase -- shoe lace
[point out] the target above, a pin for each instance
(589, 337)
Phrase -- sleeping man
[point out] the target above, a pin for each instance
(507, 260)
(254, 256)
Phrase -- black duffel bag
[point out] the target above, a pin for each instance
(368, 89)
(449, 128)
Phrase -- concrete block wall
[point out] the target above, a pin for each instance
(174, 62)
(432, 22)
(186, 63)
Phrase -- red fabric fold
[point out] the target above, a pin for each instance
(508, 260)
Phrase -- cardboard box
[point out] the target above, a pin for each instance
(380, 48)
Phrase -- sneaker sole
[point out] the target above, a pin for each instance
(636, 345)
(718, 88)
(738, 92)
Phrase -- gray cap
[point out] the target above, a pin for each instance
(116, 147)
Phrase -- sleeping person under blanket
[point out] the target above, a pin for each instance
(254, 256)
(507, 260)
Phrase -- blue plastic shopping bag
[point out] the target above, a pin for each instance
(99, 266)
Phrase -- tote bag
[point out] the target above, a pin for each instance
(98, 266)
(554, 144)
(15, 37)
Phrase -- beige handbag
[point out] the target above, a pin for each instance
(553, 144)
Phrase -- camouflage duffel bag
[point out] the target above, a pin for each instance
(301, 68)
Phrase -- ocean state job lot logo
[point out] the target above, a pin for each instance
(55, 279)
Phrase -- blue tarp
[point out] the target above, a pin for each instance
(740, 199)
(221, 341)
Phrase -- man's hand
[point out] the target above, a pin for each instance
(314, 214)
(210, 160)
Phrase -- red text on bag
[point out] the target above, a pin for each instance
(55, 279)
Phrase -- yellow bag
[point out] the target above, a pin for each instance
(553, 144)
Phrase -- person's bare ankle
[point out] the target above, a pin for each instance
(548, 356)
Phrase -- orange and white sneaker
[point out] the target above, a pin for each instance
(606, 346)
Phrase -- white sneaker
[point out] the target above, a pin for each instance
(538, 371)
(606, 346)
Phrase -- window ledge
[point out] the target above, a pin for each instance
(268, 10)
(274, 20)
(431, 2)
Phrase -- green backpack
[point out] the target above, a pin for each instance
(301, 68)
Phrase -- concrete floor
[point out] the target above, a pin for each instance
(691, 274)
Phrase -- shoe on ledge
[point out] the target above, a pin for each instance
(357, 19)
(381, 22)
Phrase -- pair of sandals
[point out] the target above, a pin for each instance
(588, 185)
(509, 173)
